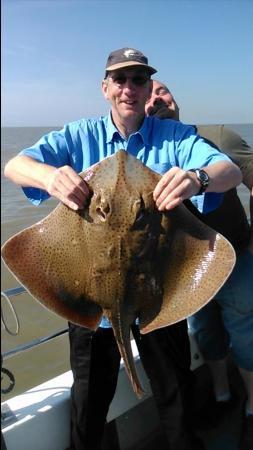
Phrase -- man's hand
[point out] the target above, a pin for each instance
(66, 185)
(163, 112)
(175, 186)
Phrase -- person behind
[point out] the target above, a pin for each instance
(227, 321)
(51, 168)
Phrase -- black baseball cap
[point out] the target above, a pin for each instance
(127, 57)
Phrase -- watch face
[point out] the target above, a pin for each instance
(203, 177)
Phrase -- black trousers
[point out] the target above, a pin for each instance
(166, 357)
(95, 360)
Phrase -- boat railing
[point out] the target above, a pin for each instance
(7, 295)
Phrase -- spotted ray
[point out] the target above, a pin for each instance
(120, 257)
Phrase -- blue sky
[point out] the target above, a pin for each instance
(54, 54)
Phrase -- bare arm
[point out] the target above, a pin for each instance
(177, 185)
(170, 110)
(63, 183)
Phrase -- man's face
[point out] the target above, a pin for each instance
(127, 91)
(161, 102)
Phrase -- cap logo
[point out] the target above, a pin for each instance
(130, 53)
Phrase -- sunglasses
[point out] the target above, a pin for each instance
(137, 80)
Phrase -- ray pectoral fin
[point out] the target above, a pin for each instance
(48, 280)
(78, 310)
(198, 263)
(75, 309)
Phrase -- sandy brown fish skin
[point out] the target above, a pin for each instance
(120, 256)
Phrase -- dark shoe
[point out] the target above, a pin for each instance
(247, 434)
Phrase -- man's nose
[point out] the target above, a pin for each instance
(129, 84)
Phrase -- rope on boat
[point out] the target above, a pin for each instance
(3, 321)
(6, 372)
(10, 375)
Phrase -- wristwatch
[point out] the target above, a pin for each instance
(203, 179)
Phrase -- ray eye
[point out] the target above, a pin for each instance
(103, 210)
(102, 214)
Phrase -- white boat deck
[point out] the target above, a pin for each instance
(39, 419)
(44, 411)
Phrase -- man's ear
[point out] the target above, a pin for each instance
(105, 88)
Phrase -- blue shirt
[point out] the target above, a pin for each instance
(159, 144)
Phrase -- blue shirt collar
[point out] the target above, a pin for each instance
(112, 130)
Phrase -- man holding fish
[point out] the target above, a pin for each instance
(189, 166)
